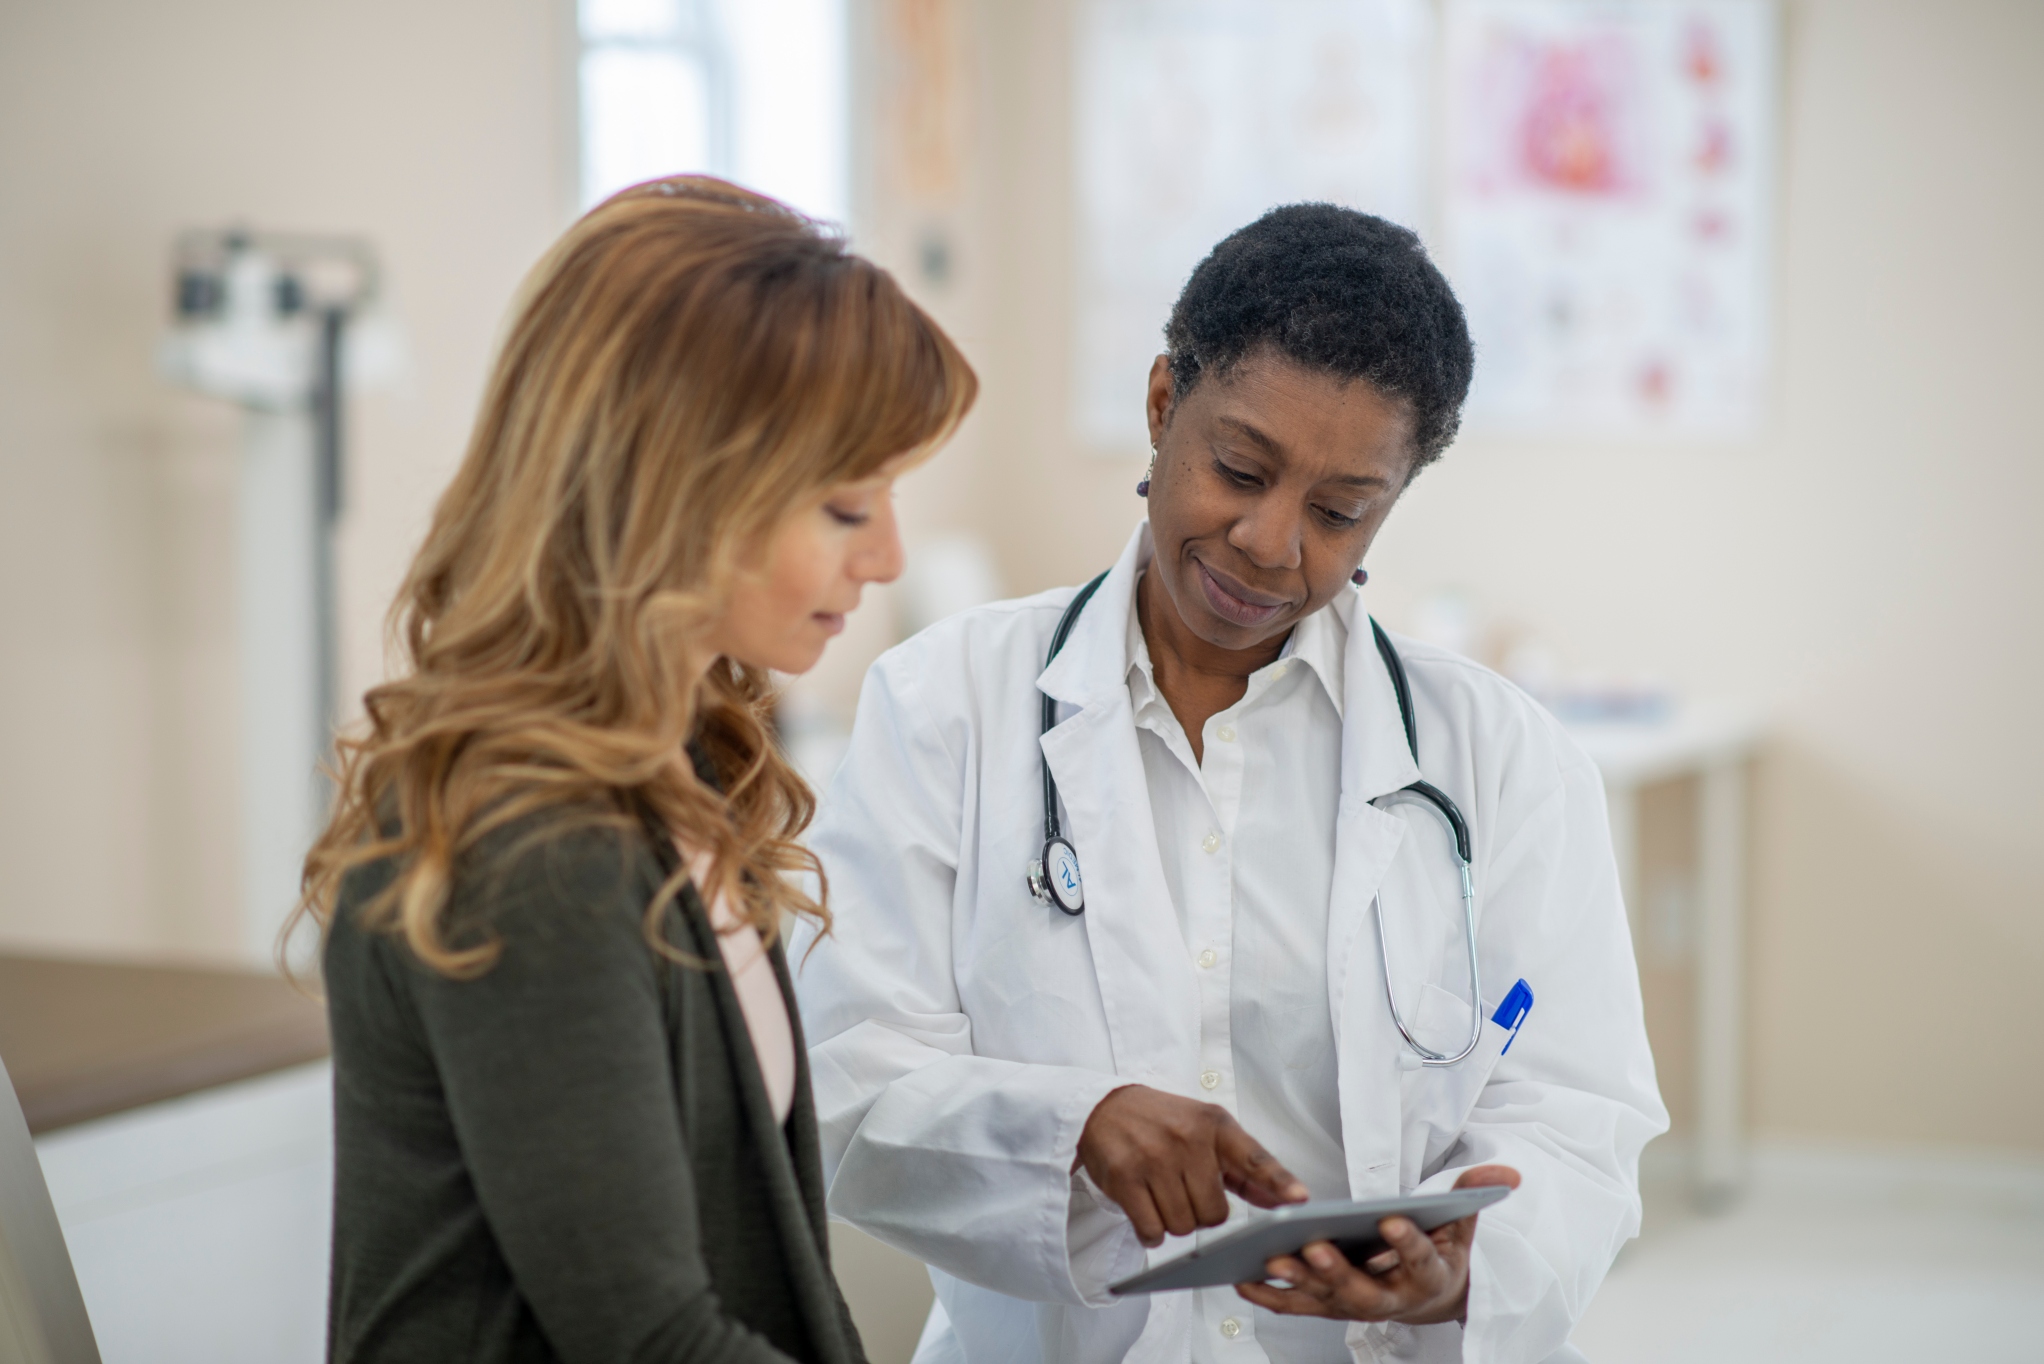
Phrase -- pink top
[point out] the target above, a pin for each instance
(759, 992)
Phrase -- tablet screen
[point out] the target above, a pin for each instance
(1239, 1256)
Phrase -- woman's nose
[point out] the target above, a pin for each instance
(878, 557)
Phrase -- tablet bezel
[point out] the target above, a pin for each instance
(1239, 1256)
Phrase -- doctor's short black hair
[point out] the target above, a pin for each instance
(1333, 290)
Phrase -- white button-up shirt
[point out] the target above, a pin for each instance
(1247, 835)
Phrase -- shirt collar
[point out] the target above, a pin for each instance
(1320, 641)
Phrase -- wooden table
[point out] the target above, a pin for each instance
(83, 1039)
(1713, 744)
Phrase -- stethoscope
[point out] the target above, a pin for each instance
(1054, 877)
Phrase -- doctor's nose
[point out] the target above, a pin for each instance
(1269, 536)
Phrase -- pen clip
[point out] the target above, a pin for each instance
(1511, 1015)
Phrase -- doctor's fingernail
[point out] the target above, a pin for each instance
(1321, 1257)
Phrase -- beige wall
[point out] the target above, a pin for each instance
(1868, 569)
(435, 130)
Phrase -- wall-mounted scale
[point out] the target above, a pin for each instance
(275, 322)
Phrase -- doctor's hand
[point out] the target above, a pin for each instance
(1165, 1160)
(1422, 1279)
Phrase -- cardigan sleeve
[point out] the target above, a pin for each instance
(559, 1082)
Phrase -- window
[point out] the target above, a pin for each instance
(753, 90)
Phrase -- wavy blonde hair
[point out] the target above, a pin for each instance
(688, 366)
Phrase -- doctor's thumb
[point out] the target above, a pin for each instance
(1483, 1176)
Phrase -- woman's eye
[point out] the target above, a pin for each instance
(1339, 520)
(847, 517)
(1239, 477)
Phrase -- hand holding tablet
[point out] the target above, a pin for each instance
(1403, 1259)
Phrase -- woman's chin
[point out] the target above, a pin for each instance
(791, 660)
(807, 654)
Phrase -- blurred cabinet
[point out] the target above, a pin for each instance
(199, 1227)
(184, 1125)
(888, 1291)
(1677, 792)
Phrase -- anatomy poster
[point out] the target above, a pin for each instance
(1191, 118)
(1605, 211)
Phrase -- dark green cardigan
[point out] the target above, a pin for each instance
(572, 1156)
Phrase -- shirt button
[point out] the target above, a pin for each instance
(1230, 1327)
(1208, 958)
(1210, 1079)
(1211, 842)
(1226, 734)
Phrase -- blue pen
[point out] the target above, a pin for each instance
(1511, 1014)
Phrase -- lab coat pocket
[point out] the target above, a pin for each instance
(1437, 1099)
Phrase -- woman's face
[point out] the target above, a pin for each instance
(1270, 484)
(786, 607)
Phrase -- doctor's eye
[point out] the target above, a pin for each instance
(1241, 478)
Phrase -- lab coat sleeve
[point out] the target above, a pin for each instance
(1570, 1106)
(961, 1160)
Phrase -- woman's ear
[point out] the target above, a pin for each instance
(1157, 403)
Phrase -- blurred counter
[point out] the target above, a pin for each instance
(85, 1039)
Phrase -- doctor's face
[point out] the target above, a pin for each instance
(1270, 483)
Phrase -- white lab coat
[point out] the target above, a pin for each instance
(960, 1032)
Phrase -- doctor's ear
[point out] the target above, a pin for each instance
(1157, 400)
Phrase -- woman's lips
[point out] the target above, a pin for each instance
(1234, 602)
(833, 622)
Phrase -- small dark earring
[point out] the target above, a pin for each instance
(1360, 576)
(1143, 483)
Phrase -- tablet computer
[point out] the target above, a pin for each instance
(1239, 1256)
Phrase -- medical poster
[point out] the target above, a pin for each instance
(1191, 118)
(1606, 211)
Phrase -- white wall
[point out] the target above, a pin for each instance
(435, 130)
(1868, 569)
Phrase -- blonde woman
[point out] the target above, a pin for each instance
(572, 1107)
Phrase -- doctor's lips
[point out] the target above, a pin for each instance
(1234, 601)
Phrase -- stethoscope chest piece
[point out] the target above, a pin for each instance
(1054, 878)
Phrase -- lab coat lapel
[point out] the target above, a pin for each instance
(1147, 988)
(1374, 762)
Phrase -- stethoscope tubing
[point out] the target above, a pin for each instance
(1458, 828)
(1424, 792)
(1427, 1055)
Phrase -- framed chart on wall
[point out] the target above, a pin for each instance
(1606, 211)
(1191, 118)
(1598, 185)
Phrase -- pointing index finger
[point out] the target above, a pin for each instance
(1254, 1173)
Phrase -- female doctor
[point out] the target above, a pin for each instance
(1234, 955)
